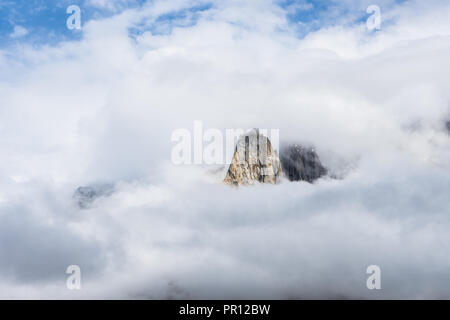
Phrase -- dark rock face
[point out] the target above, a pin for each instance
(447, 126)
(85, 196)
(301, 163)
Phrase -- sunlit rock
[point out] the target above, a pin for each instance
(254, 160)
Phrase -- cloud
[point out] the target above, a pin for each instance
(111, 5)
(293, 8)
(19, 32)
(102, 110)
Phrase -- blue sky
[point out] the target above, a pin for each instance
(45, 21)
(166, 22)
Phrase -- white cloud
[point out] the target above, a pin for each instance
(19, 32)
(112, 5)
(103, 109)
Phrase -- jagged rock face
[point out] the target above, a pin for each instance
(301, 163)
(85, 196)
(253, 161)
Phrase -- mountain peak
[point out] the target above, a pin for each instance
(253, 161)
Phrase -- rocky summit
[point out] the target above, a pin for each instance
(301, 163)
(85, 196)
(254, 160)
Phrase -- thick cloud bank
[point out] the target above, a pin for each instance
(101, 111)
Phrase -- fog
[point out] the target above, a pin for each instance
(102, 110)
